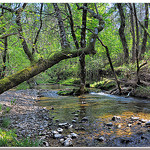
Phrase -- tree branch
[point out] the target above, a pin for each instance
(20, 32)
(37, 35)
(7, 35)
(7, 8)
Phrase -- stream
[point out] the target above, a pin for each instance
(98, 109)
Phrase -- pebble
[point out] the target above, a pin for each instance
(147, 123)
(116, 118)
(74, 135)
(109, 124)
(68, 142)
(62, 124)
(129, 125)
(56, 136)
(46, 144)
(60, 130)
(101, 139)
(134, 118)
(61, 141)
(74, 121)
(84, 119)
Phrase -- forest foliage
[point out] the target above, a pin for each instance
(32, 32)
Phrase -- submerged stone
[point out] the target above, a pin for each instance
(116, 118)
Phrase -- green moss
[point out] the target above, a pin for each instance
(23, 86)
(70, 81)
(105, 84)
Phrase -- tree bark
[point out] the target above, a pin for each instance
(82, 56)
(143, 48)
(132, 33)
(121, 33)
(64, 43)
(137, 45)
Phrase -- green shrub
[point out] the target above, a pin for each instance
(5, 122)
(9, 139)
(23, 86)
(70, 81)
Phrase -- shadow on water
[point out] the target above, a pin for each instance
(98, 107)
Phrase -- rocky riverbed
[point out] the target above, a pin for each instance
(36, 122)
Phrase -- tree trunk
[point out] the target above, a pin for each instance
(82, 56)
(111, 65)
(121, 33)
(132, 33)
(137, 45)
(143, 48)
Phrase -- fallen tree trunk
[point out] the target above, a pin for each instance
(42, 65)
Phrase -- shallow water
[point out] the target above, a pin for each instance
(95, 106)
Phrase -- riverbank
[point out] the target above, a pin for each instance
(30, 120)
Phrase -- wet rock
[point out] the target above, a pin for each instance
(134, 118)
(45, 144)
(147, 123)
(119, 126)
(76, 118)
(69, 136)
(84, 119)
(76, 115)
(54, 132)
(57, 120)
(62, 124)
(143, 120)
(61, 141)
(74, 135)
(70, 126)
(125, 140)
(139, 123)
(68, 142)
(129, 125)
(144, 137)
(56, 136)
(60, 130)
(116, 118)
(109, 124)
(101, 139)
(74, 121)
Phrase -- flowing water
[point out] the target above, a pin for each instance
(99, 108)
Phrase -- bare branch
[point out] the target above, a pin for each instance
(7, 8)
(7, 35)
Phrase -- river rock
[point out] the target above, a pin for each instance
(70, 126)
(147, 123)
(68, 142)
(143, 120)
(76, 115)
(54, 132)
(62, 124)
(101, 139)
(56, 136)
(74, 121)
(60, 130)
(74, 135)
(61, 141)
(109, 124)
(84, 119)
(129, 125)
(125, 140)
(119, 126)
(45, 144)
(116, 118)
(134, 118)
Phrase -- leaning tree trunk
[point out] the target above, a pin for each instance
(121, 33)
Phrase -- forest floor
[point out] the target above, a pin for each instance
(33, 121)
